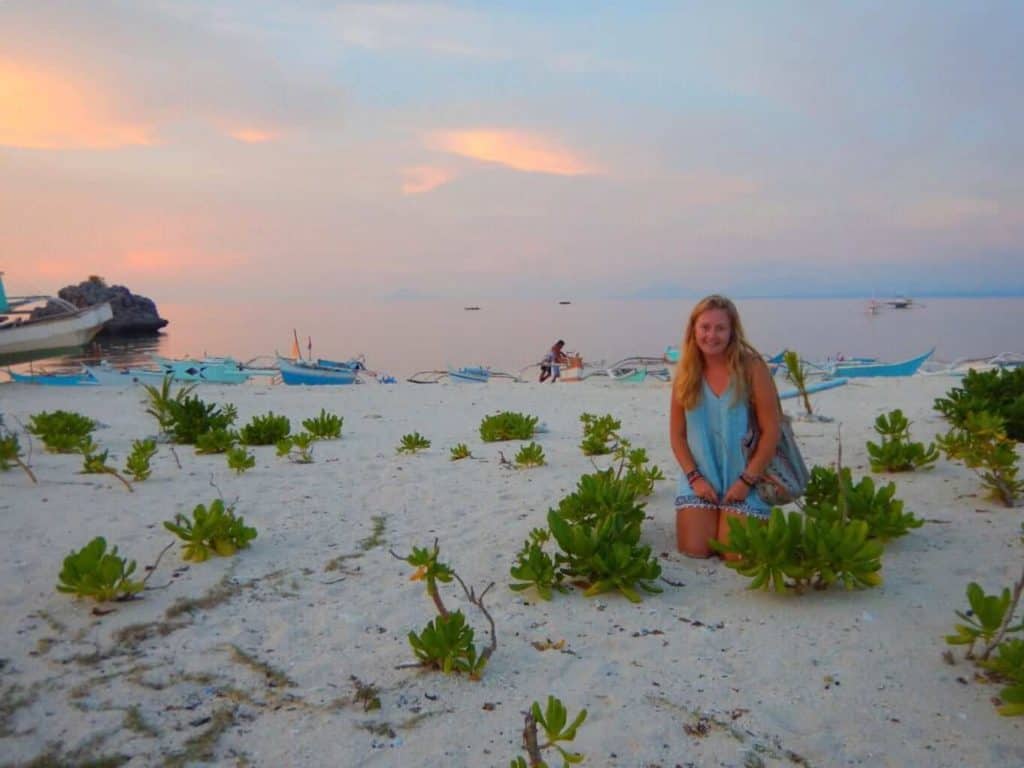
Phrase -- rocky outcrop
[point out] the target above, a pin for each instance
(133, 314)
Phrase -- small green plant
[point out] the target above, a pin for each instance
(94, 572)
(553, 721)
(239, 459)
(446, 642)
(1008, 664)
(216, 441)
(326, 426)
(982, 444)
(265, 430)
(530, 455)
(216, 530)
(1000, 393)
(600, 434)
(794, 552)
(797, 373)
(897, 453)
(190, 417)
(637, 475)
(160, 401)
(413, 443)
(94, 462)
(298, 448)
(460, 451)
(137, 463)
(535, 568)
(10, 454)
(877, 507)
(61, 431)
(507, 426)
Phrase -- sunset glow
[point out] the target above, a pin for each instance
(519, 151)
(253, 135)
(424, 178)
(40, 109)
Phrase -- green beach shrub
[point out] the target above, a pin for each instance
(265, 430)
(897, 453)
(94, 462)
(61, 431)
(536, 568)
(530, 455)
(94, 572)
(326, 426)
(983, 446)
(999, 392)
(600, 434)
(413, 443)
(460, 451)
(213, 531)
(507, 425)
(10, 454)
(137, 463)
(239, 460)
(298, 448)
(189, 417)
(878, 507)
(216, 441)
(160, 401)
(553, 721)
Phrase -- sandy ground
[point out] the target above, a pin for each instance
(253, 660)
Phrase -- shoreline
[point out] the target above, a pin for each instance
(258, 651)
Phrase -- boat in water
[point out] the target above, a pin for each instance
(300, 371)
(24, 338)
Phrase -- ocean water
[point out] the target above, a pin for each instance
(402, 337)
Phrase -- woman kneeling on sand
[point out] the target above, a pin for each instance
(720, 380)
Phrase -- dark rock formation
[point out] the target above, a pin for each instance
(132, 314)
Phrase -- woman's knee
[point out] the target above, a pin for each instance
(695, 527)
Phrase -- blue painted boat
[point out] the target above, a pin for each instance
(864, 370)
(109, 376)
(215, 370)
(79, 379)
(818, 386)
(469, 375)
(302, 372)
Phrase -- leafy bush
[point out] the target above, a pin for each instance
(190, 417)
(446, 643)
(61, 431)
(239, 460)
(530, 455)
(507, 426)
(878, 508)
(535, 568)
(460, 451)
(160, 401)
(600, 433)
(10, 454)
(553, 721)
(1000, 393)
(982, 444)
(1008, 664)
(795, 552)
(216, 441)
(94, 572)
(266, 430)
(326, 426)
(94, 462)
(984, 619)
(137, 464)
(298, 448)
(216, 530)
(413, 443)
(897, 453)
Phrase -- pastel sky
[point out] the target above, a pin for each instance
(512, 149)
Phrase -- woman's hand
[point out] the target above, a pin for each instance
(737, 492)
(703, 488)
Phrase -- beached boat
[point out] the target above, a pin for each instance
(23, 339)
(469, 375)
(859, 370)
(309, 373)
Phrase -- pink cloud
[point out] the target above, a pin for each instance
(423, 178)
(516, 150)
(253, 135)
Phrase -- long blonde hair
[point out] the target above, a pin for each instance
(739, 354)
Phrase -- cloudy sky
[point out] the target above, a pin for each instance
(589, 149)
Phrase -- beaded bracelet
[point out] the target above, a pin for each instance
(693, 476)
(747, 481)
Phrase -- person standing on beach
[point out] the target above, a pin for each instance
(552, 362)
(720, 382)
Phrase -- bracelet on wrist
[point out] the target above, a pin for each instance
(747, 480)
(693, 476)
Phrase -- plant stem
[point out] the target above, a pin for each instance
(997, 638)
(530, 741)
(28, 471)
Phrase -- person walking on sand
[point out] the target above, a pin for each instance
(720, 383)
(552, 362)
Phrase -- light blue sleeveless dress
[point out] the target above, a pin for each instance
(715, 429)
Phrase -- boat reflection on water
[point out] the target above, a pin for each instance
(120, 351)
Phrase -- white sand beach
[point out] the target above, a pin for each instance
(252, 660)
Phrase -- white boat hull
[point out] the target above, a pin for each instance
(58, 332)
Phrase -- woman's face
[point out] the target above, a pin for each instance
(713, 331)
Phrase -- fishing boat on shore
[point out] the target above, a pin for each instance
(24, 338)
(300, 371)
(78, 379)
(860, 370)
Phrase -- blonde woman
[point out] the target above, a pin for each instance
(720, 375)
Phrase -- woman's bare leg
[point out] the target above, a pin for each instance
(695, 526)
(723, 531)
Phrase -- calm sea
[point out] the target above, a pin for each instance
(402, 336)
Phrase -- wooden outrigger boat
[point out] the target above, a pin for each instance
(859, 370)
(313, 374)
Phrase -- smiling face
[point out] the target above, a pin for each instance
(713, 332)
